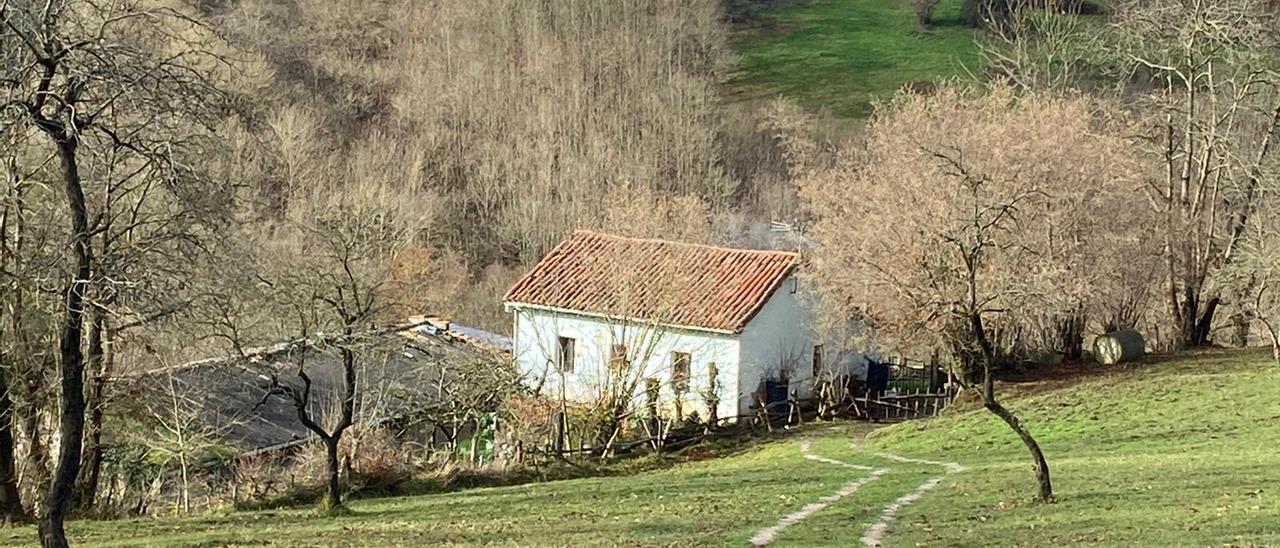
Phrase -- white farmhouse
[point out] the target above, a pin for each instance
(602, 314)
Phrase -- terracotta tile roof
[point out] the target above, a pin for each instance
(673, 283)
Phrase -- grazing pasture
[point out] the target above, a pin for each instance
(1173, 451)
(842, 55)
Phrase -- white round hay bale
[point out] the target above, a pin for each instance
(1119, 346)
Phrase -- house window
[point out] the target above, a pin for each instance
(795, 285)
(618, 360)
(565, 354)
(817, 360)
(680, 371)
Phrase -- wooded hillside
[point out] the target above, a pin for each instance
(510, 122)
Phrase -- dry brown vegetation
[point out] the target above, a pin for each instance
(1211, 118)
(988, 239)
(935, 166)
(513, 122)
(333, 164)
(1002, 224)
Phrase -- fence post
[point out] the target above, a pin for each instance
(557, 441)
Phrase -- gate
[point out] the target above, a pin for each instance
(898, 390)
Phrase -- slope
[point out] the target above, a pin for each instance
(1179, 451)
(1174, 451)
(843, 55)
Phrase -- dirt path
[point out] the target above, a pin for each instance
(765, 536)
(874, 535)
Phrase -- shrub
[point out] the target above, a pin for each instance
(370, 458)
(923, 10)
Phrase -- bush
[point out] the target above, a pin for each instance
(741, 11)
(258, 478)
(378, 460)
(369, 459)
(923, 10)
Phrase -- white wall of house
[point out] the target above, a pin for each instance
(651, 350)
(780, 336)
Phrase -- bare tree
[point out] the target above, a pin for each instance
(1047, 45)
(991, 14)
(464, 393)
(604, 387)
(181, 437)
(97, 79)
(329, 272)
(1253, 277)
(11, 508)
(965, 216)
(1205, 74)
(12, 327)
(632, 100)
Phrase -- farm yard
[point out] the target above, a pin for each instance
(1175, 451)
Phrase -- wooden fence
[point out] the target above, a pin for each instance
(898, 407)
(907, 391)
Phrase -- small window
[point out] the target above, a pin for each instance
(680, 371)
(795, 284)
(817, 360)
(565, 354)
(618, 360)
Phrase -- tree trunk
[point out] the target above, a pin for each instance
(1071, 336)
(475, 443)
(97, 361)
(333, 499)
(1275, 339)
(71, 370)
(11, 510)
(28, 415)
(1195, 325)
(186, 482)
(1045, 493)
(1041, 466)
(28, 381)
(1204, 324)
(651, 396)
(1240, 329)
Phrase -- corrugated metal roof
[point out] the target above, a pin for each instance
(681, 284)
(400, 365)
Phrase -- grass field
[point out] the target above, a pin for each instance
(1176, 452)
(843, 54)
(1181, 453)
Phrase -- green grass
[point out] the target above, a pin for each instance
(715, 502)
(842, 55)
(1178, 452)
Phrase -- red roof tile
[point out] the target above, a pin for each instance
(673, 283)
